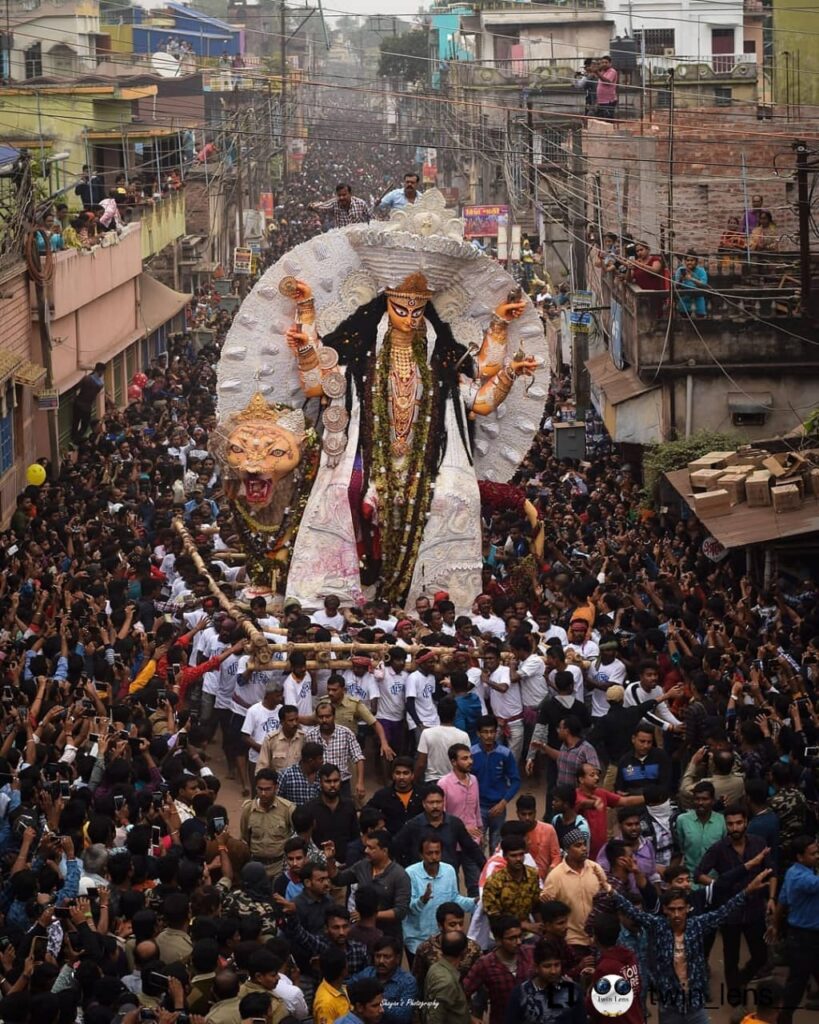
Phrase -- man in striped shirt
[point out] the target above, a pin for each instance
(344, 207)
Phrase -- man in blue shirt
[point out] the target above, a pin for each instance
(400, 987)
(496, 770)
(799, 900)
(367, 1000)
(400, 197)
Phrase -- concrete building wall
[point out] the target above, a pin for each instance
(691, 20)
(708, 185)
(15, 311)
(796, 54)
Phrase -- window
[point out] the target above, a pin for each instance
(553, 149)
(63, 59)
(722, 96)
(658, 41)
(6, 442)
(749, 46)
(33, 57)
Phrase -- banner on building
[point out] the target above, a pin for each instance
(48, 399)
(266, 204)
(483, 221)
(242, 260)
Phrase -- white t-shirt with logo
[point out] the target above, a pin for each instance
(422, 687)
(299, 693)
(362, 688)
(260, 722)
(392, 694)
(508, 704)
(227, 683)
(533, 687)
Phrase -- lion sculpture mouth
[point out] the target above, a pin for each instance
(256, 490)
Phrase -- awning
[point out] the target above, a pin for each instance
(753, 402)
(29, 374)
(619, 385)
(9, 361)
(158, 303)
(630, 409)
(745, 525)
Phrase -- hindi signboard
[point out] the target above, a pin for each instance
(483, 221)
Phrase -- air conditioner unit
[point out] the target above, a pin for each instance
(668, 51)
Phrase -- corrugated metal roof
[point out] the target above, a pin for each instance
(617, 385)
(29, 374)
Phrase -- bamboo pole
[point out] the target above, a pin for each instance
(262, 653)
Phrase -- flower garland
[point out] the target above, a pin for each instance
(272, 545)
(404, 494)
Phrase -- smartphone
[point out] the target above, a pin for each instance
(811, 751)
(39, 947)
(156, 835)
(23, 822)
(157, 800)
(65, 789)
(119, 802)
(181, 741)
(8, 693)
(134, 744)
(12, 550)
(92, 892)
(160, 980)
(218, 825)
(161, 695)
(146, 1013)
(62, 913)
(51, 772)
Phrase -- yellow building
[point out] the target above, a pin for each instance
(796, 55)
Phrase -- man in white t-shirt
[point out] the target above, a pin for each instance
(391, 703)
(547, 630)
(607, 671)
(233, 744)
(529, 670)
(504, 699)
(556, 662)
(261, 721)
(329, 617)
(421, 710)
(580, 642)
(485, 621)
(432, 761)
(213, 641)
(298, 687)
(359, 680)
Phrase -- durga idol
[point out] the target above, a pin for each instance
(395, 507)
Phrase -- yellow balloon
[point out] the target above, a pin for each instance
(36, 475)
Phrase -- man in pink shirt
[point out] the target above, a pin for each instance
(606, 88)
(462, 801)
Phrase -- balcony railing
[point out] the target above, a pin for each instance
(702, 66)
(742, 322)
(163, 222)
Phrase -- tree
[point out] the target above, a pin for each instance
(405, 56)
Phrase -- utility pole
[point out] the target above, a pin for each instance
(803, 205)
(581, 386)
(44, 324)
(283, 62)
(240, 200)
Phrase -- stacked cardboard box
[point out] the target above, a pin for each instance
(758, 488)
(712, 503)
(786, 498)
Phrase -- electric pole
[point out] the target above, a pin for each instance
(803, 206)
(283, 62)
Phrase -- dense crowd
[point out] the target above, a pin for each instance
(392, 861)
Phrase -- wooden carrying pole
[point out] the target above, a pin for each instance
(263, 652)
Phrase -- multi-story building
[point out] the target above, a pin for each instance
(48, 37)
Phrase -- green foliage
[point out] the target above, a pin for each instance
(405, 56)
(811, 424)
(665, 458)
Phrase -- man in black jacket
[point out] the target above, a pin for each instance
(452, 832)
(611, 735)
(91, 188)
(400, 801)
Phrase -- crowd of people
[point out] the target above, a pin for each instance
(521, 811)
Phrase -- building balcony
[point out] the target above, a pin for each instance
(742, 326)
(82, 277)
(163, 222)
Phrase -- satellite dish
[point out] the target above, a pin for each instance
(165, 64)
